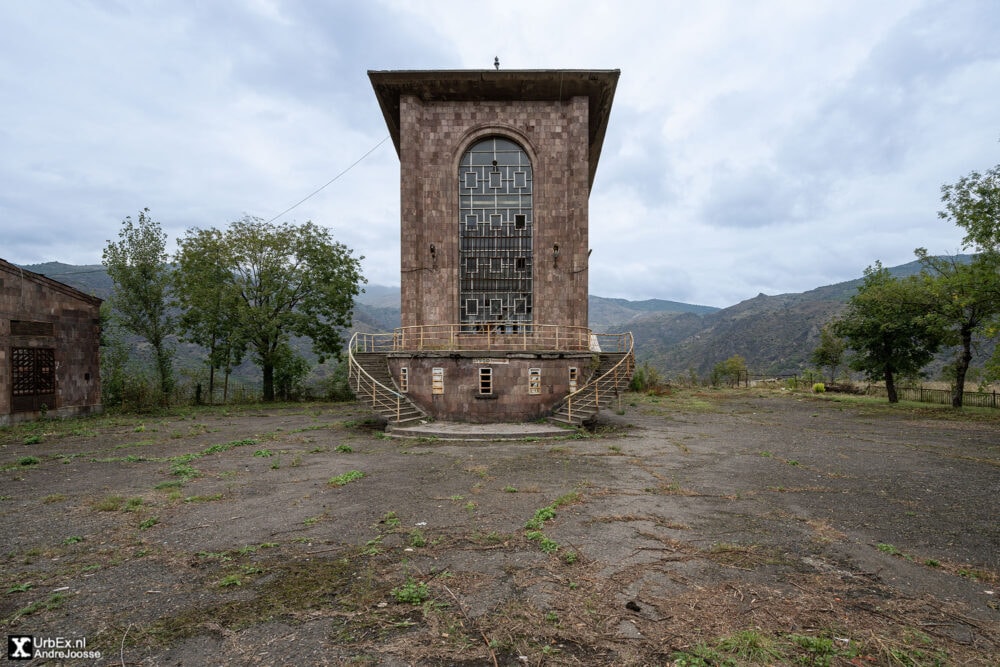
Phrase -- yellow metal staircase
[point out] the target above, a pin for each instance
(608, 381)
(374, 386)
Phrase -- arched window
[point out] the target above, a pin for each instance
(495, 230)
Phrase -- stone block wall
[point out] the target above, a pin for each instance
(511, 399)
(38, 312)
(433, 138)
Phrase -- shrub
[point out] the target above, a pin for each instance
(819, 388)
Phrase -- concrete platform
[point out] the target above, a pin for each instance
(444, 430)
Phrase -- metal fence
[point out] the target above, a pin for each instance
(971, 399)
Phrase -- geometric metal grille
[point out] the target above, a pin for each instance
(495, 235)
(34, 371)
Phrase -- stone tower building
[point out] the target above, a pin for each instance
(495, 175)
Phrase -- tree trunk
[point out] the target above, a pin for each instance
(890, 387)
(211, 374)
(961, 368)
(268, 383)
(164, 369)
(211, 385)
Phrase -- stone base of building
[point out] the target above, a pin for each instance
(490, 387)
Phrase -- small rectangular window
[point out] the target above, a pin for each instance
(519, 220)
(470, 180)
(520, 264)
(534, 380)
(572, 378)
(486, 380)
(520, 179)
(404, 379)
(437, 380)
(495, 179)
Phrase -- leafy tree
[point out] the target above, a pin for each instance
(966, 299)
(209, 301)
(114, 359)
(973, 202)
(830, 351)
(137, 264)
(888, 326)
(730, 370)
(288, 280)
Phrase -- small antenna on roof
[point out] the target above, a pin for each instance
(496, 63)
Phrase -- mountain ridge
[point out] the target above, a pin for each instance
(774, 334)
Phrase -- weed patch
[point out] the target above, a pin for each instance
(346, 478)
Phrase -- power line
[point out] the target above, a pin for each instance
(325, 185)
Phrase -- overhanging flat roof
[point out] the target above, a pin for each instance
(500, 85)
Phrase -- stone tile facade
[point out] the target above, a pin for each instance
(433, 137)
(43, 320)
(512, 397)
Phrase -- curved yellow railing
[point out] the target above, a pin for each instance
(498, 337)
(382, 399)
(610, 381)
(505, 337)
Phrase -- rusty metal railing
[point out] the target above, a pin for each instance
(589, 395)
(493, 337)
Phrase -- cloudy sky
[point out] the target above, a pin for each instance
(771, 146)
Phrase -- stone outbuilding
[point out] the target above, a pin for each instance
(49, 348)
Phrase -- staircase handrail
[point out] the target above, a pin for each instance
(379, 392)
(625, 363)
(492, 336)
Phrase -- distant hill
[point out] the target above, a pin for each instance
(775, 334)
(612, 314)
(92, 279)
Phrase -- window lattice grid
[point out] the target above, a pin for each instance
(534, 381)
(495, 233)
(34, 371)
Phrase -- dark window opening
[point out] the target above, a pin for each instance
(33, 381)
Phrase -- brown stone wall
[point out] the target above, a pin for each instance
(433, 137)
(510, 399)
(68, 322)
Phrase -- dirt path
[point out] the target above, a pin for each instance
(700, 529)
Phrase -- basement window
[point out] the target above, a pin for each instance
(573, 374)
(486, 380)
(437, 380)
(534, 380)
(404, 379)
